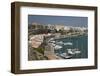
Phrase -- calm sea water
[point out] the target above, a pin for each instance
(80, 42)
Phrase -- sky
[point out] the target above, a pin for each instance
(65, 20)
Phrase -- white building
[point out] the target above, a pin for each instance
(67, 28)
(51, 27)
(59, 27)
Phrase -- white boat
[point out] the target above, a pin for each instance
(73, 51)
(60, 42)
(52, 41)
(77, 52)
(68, 43)
(53, 44)
(57, 47)
(65, 55)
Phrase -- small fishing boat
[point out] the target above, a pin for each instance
(65, 55)
(52, 41)
(59, 43)
(57, 47)
(77, 52)
(68, 43)
(53, 44)
(73, 51)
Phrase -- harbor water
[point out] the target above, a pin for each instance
(79, 42)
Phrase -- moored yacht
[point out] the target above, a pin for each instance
(74, 51)
(68, 43)
(65, 55)
(60, 43)
(57, 47)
